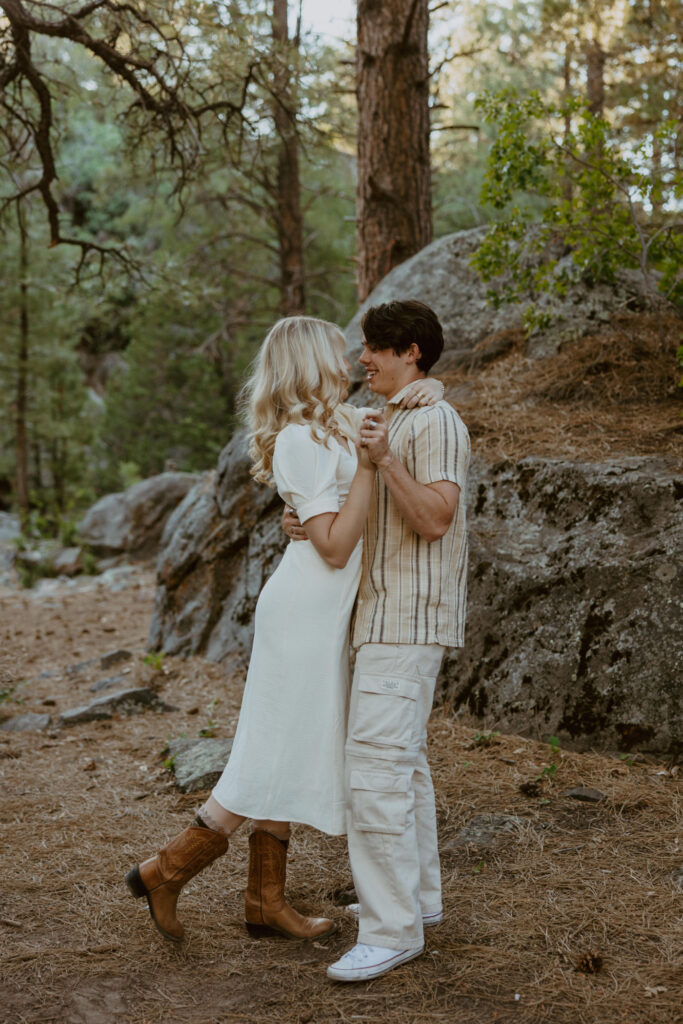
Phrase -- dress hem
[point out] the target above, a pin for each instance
(234, 809)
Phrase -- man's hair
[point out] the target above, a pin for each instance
(398, 324)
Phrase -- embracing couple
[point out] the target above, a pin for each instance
(375, 509)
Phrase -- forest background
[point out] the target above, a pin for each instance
(138, 278)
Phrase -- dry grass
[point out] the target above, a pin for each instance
(80, 805)
(612, 393)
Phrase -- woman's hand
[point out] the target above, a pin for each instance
(423, 392)
(291, 525)
(364, 460)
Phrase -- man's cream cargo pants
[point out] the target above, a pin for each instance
(391, 815)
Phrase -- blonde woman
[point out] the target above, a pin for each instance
(287, 759)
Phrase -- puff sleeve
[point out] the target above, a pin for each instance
(305, 472)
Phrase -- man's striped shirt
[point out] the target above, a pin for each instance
(413, 591)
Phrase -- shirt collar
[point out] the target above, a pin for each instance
(399, 394)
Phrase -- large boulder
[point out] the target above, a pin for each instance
(441, 275)
(218, 548)
(132, 521)
(575, 598)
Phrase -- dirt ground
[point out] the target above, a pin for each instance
(573, 917)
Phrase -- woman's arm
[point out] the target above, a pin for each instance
(334, 535)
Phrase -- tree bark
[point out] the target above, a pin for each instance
(595, 76)
(21, 435)
(567, 184)
(290, 225)
(393, 200)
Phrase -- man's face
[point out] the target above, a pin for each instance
(385, 370)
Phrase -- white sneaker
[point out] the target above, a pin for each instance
(428, 920)
(364, 962)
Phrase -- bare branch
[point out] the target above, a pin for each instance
(158, 76)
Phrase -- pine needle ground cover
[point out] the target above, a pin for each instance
(570, 915)
(614, 392)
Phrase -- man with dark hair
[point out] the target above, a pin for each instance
(396, 325)
(410, 607)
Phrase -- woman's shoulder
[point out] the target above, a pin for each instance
(293, 437)
(294, 430)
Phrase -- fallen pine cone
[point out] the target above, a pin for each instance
(589, 962)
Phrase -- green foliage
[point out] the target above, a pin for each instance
(550, 770)
(129, 474)
(209, 730)
(485, 739)
(154, 660)
(61, 419)
(595, 195)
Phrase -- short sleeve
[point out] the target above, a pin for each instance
(305, 472)
(440, 446)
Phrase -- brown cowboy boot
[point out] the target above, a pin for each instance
(266, 912)
(161, 878)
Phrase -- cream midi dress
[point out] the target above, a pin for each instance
(287, 759)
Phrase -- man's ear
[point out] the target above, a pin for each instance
(413, 353)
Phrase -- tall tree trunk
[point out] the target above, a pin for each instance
(290, 225)
(657, 195)
(22, 371)
(393, 201)
(567, 183)
(595, 76)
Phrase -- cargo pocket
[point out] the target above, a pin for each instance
(379, 802)
(387, 711)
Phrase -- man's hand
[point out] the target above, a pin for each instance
(291, 524)
(374, 437)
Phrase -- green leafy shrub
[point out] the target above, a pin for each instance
(597, 206)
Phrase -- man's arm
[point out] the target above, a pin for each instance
(428, 509)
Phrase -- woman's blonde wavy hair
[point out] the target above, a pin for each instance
(299, 376)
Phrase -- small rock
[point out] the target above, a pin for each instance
(10, 528)
(26, 723)
(128, 701)
(343, 896)
(85, 713)
(68, 562)
(585, 793)
(678, 877)
(484, 829)
(106, 683)
(81, 666)
(115, 658)
(116, 579)
(198, 763)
